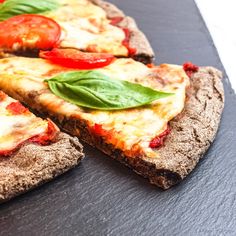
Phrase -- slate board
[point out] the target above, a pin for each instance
(101, 197)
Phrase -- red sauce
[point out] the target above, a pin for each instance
(116, 20)
(126, 42)
(151, 65)
(41, 139)
(158, 141)
(6, 153)
(2, 96)
(190, 68)
(16, 108)
(48, 136)
(98, 130)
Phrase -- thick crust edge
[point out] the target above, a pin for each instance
(138, 40)
(33, 165)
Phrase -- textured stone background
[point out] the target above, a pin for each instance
(102, 197)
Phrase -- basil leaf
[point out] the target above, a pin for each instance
(95, 90)
(11, 8)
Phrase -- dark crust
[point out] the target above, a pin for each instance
(33, 165)
(138, 40)
(192, 131)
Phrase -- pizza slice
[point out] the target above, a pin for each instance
(32, 150)
(87, 25)
(158, 120)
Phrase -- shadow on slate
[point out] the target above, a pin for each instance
(101, 197)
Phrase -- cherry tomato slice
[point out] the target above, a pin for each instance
(29, 31)
(73, 58)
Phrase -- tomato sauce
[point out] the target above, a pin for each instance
(126, 42)
(158, 141)
(16, 108)
(190, 68)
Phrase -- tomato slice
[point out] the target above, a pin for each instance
(29, 31)
(1, 1)
(73, 58)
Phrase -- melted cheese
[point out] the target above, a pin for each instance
(15, 129)
(132, 129)
(85, 26)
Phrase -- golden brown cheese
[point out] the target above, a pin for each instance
(85, 26)
(132, 129)
(15, 129)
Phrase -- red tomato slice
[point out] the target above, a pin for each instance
(29, 32)
(73, 58)
(1, 1)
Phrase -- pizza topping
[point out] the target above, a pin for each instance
(98, 130)
(18, 126)
(48, 136)
(29, 32)
(10, 8)
(151, 65)
(2, 96)
(158, 141)
(92, 89)
(16, 108)
(5, 153)
(126, 42)
(116, 20)
(190, 68)
(73, 58)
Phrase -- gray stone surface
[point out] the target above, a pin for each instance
(102, 197)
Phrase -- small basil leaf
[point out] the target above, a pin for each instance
(92, 89)
(11, 8)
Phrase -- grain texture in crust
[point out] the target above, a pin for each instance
(138, 40)
(33, 165)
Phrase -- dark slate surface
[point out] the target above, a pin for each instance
(101, 197)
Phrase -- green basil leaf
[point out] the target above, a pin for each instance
(95, 90)
(11, 8)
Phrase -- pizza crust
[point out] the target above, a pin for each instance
(33, 165)
(138, 40)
